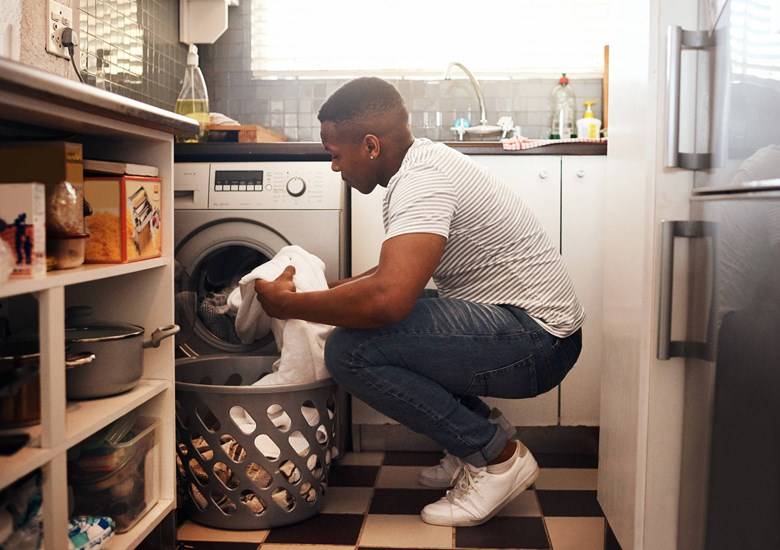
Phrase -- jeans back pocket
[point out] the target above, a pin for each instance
(515, 380)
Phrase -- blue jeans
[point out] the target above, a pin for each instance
(427, 370)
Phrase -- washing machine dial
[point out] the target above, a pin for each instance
(296, 186)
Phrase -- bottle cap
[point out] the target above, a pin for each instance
(192, 55)
(563, 81)
(588, 111)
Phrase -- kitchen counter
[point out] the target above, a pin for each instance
(39, 88)
(313, 151)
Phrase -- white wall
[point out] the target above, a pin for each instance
(28, 24)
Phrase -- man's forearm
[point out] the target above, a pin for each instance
(360, 303)
(340, 282)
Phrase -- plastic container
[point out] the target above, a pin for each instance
(115, 473)
(67, 251)
(193, 100)
(7, 261)
(589, 126)
(563, 110)
(251, 457)
(65, 209)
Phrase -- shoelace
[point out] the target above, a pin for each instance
(467, 480)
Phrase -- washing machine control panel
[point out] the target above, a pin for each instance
(268, 186)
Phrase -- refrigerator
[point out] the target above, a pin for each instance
(729, 479)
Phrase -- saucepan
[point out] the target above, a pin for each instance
(119, 355)
(20, 395)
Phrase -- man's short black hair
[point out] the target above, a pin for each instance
(361, 99)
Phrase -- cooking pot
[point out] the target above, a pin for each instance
(20, 394)
(119, 357)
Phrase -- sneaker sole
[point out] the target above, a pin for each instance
(473, 522)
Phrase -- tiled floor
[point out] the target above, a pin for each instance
(373, 502)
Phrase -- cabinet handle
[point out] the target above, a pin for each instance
(678, 39)
(666, 347)
(580, 173)
(543, 174)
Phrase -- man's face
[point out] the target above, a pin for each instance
(351, 158)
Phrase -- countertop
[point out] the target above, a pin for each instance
(313, 151)
(17, 79)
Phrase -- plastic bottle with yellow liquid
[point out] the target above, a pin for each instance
(193, 100)
(589, 126)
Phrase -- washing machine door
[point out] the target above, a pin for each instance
(209, 263)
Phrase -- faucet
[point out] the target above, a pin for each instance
(475, 85)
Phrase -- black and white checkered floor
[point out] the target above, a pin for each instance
(373, 502)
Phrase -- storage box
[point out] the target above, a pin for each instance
(119, 480)
(23, 211)
(49, 162)
(125, 224)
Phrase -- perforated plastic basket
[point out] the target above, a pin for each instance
(251, 457)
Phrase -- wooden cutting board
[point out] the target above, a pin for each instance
(243, 133)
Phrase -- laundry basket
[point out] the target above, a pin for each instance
(251, 457)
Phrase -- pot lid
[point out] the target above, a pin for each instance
(101, 333)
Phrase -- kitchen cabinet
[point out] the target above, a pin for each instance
(564, 192)
(582, 182)
(39, 105)
(537, 180)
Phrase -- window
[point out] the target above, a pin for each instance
(419, 38)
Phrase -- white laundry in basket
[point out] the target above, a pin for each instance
(301, 343)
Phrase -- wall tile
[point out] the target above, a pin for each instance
(131, 47)
(433, 105)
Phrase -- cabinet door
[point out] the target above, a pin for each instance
(368, 232)
(583, 180)
(537, 180)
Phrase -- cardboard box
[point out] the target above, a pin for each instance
(125, 225)
(23, 211)
(49, 162)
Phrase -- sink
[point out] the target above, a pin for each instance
(484, 130)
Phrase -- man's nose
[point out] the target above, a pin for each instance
(335, 167)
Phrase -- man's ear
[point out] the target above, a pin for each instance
(371, 146)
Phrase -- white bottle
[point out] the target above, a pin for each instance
(589, 126)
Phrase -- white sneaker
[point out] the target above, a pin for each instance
(443, 475)
(479, 495)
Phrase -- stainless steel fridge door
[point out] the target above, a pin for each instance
(738, 87)
(730, 471)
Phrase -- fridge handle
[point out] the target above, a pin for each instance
(666, 347)
(676, 40)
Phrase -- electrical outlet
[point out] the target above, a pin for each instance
(58, 16)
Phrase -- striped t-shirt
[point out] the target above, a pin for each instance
(496, 252)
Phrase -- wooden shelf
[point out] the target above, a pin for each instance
(22, 463)
(84, 418)
(83, 274)
(139, 532)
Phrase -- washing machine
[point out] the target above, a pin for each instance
(231, 217)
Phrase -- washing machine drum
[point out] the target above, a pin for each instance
(209, 263)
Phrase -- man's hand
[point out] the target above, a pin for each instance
(274, 295)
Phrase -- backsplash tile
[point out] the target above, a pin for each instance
(131, 47)
(290, 107)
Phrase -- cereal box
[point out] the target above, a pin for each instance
(23, 226)
(125, 225)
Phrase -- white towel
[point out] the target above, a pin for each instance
(301, 343)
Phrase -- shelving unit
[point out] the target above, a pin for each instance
(40, 105)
